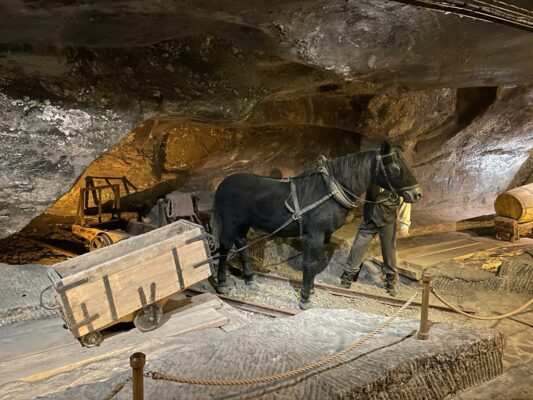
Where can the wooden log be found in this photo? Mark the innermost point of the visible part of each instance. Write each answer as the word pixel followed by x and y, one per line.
pixel 516 204
pixel 54 248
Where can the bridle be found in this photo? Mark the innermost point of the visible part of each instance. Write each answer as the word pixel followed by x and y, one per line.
pixel 380 166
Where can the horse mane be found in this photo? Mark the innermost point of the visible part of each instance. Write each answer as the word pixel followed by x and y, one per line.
pixel 354 171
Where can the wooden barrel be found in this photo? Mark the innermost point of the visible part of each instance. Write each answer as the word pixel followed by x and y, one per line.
pixel 516 204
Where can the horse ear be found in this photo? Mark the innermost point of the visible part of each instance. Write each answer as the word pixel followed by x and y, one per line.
pixel 385 147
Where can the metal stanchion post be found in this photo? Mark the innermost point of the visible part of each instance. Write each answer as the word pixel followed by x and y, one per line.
pixel 423 333
pixel 137 361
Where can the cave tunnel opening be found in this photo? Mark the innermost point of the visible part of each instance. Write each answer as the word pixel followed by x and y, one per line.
pixel 166 154
pixel 470 104
pixel 283 136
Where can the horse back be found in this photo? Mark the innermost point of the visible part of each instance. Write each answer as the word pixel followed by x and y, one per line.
pixel 253 200
pixel 250 187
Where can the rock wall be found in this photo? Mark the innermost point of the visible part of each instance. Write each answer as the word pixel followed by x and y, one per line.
pixel 281 137
pixel 466 172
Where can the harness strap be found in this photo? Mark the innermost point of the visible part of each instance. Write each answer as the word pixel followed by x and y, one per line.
pixel 313 205
pixel 296 212
pixel 381 166
pixel 337 190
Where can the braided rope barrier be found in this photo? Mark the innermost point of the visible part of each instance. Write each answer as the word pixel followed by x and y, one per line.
pixel 459 311
pixel 118 387
pixel 286 374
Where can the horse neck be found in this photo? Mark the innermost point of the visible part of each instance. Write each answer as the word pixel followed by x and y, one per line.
pixel 354 171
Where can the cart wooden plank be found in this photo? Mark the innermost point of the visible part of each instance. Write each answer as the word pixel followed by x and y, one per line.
pixel 136 287
pixel 120 263
pixel 89 260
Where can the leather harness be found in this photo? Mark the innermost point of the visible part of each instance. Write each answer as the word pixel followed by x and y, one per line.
pixel 335 190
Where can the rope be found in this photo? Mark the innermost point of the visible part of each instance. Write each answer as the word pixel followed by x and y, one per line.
pixel 287 374
pixel 118 387
pixel 459 311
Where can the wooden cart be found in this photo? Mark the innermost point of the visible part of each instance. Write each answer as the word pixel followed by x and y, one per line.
pixel 130 280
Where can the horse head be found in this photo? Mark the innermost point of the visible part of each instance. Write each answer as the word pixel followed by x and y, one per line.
pixel 394 173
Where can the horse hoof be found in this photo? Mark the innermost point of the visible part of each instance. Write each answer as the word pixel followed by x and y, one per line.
pixel 249 284
pixel 222 289
pixel 305 305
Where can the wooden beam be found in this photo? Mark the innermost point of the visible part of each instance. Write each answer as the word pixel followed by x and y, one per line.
pixel 66 368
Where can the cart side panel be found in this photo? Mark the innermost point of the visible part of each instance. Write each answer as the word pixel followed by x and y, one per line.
pixel 117 264
pixel 96 304
pixel 89 260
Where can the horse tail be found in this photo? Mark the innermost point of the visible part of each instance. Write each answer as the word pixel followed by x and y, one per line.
pixel 216 222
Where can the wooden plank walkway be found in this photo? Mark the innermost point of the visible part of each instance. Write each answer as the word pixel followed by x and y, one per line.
pixel 413 261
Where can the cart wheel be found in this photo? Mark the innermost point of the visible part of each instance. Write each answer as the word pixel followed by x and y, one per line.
pixel 148 318
pixel 92 339
pixel 99 241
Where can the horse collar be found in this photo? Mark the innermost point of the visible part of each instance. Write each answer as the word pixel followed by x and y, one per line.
pixel 334 187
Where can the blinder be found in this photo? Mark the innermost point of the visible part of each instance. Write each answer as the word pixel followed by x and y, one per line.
pixel 390 171
pixel 393 170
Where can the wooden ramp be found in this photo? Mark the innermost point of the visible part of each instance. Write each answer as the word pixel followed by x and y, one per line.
pixel 413 261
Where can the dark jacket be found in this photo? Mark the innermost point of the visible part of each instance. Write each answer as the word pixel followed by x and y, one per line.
pixel 383 213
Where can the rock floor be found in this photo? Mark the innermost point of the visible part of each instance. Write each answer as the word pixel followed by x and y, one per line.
pixel 515 383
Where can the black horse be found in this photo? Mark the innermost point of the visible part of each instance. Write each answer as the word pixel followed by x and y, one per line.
pixel 245 200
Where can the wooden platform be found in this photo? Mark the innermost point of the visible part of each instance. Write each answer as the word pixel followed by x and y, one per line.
pixel 413 261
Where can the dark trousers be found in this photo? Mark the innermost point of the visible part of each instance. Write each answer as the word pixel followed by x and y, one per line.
pixel 387 237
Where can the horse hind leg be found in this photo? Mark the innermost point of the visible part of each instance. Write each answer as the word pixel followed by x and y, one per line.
pixel 240 242
pixel 313 260
pixel 225 246
pixel 222 286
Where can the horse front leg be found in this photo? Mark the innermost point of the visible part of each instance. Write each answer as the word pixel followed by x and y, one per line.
pixel 313 256
pixel 240 242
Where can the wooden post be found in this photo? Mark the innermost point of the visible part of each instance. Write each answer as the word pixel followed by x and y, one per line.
pixel 117 200
pixel 423 333
pixel 99 204
pixel 137 361
pixel 83 201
